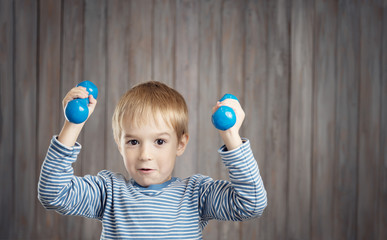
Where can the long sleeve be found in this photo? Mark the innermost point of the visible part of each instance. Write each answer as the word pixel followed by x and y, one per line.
pixel 243 197
pixel 60 190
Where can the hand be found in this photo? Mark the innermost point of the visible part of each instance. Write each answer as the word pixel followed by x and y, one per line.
pixel 80 92
pixel 231 136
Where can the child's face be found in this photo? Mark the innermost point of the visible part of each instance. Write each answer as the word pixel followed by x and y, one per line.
pixel 149 152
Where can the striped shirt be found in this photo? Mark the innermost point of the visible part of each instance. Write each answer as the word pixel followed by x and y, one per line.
pixel 177 209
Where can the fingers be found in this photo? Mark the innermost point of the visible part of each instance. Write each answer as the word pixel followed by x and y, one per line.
pixel 92 104
pixel 92 100
pixel 240 114
pixel 235 105
pixel 77 92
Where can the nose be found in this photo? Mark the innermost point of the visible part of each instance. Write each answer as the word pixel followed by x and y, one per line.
pixel 145 153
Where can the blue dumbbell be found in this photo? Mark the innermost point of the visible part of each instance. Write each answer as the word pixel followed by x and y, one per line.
pixel 76 110
pixel 224 118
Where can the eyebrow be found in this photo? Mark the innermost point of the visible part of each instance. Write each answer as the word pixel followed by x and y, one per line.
pixel 127 135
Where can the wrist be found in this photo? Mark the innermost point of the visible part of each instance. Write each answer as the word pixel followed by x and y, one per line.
pixel 69 133
pixel 231 139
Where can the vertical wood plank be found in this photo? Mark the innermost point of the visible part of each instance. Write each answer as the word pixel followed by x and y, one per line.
pixel 71 74
pixel 209 66
pixel 347 92
pixel 118 25
pixel 277 126
pixel 186 82
pixel 95 71
pixel 25 178
pixel 140 41
pixel 382 221
pixel 231 58
pixel 232 48
pixel 301 99
pixel 7 109
pixel 164 41
pixel 255 82
pixel 49 102
pixel 323 119
pixel 371 14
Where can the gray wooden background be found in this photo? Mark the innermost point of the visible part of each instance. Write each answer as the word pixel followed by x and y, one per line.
pixel 311 76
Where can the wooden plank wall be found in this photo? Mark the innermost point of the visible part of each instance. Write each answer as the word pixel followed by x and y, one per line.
pixel 311 76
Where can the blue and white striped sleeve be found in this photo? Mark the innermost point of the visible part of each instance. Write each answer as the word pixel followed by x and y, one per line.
pixel 60 190
pixel 241 198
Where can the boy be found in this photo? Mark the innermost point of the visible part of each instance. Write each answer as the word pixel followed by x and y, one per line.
pixel 150 126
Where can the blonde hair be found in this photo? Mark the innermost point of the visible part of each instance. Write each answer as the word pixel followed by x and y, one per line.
pixel 148 100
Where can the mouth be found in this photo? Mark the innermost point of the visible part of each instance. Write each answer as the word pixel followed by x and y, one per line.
pixel 145 170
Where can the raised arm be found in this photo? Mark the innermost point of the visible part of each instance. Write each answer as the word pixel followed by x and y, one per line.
pixel 244 196
pixel 58 188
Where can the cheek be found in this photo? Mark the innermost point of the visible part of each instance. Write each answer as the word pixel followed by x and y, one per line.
pixel 168 160
pixel 127 157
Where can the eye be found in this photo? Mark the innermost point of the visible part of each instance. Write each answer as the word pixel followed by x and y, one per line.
pixel 132 142
pixel 160 141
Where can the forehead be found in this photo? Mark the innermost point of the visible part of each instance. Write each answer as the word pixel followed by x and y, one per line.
pixel 153 123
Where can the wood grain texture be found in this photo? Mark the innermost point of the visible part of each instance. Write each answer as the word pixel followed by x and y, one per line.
pixel 7 126
pixel 369 120
pixel 164 31
pixel 323 149
pixel 277 125
pixel 140 41
pixel 25 77
pixel 49 102
pixel 382 219
pixel 347 95
pixel 301 99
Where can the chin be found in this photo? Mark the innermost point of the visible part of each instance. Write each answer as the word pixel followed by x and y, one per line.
pixel 146 183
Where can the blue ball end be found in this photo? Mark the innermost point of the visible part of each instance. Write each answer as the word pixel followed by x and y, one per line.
pixel 224 118
pixel 228 96
pixel 77 111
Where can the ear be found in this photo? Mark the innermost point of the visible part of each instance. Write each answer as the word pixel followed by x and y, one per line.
pixel 182 144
